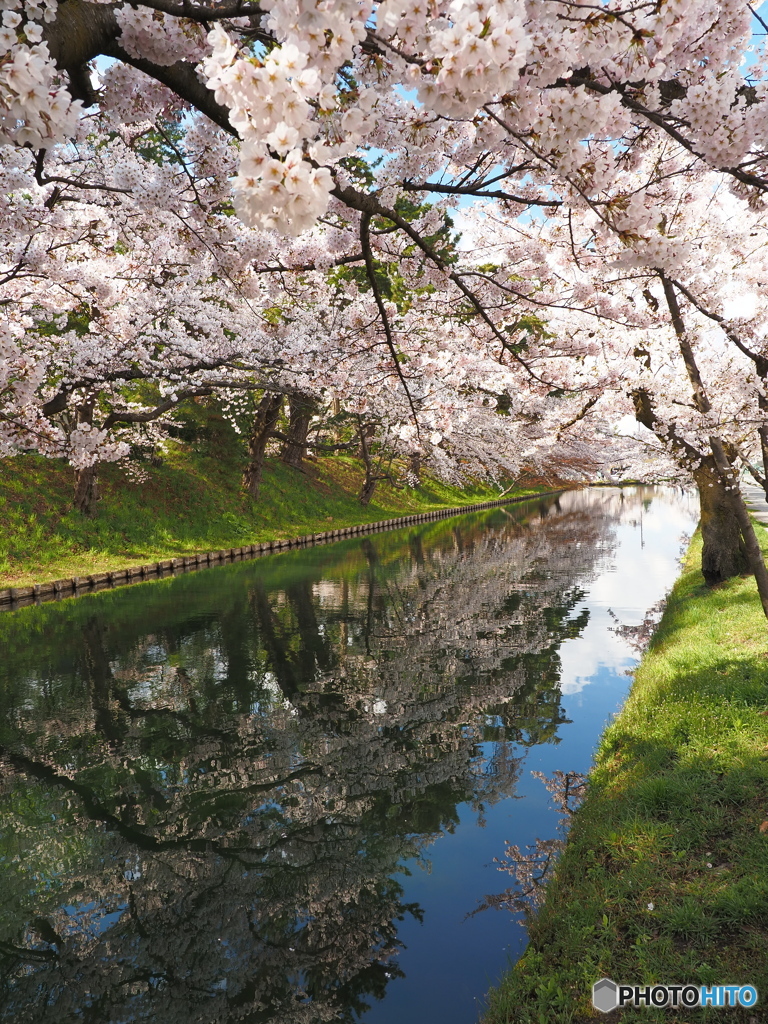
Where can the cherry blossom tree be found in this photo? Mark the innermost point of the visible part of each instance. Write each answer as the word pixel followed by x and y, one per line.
pixel 136 304
pixel 664 321
pixel 559 108
pixel 691 354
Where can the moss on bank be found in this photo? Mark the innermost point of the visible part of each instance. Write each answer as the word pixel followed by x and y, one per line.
pixel 665 874
pixel 190 503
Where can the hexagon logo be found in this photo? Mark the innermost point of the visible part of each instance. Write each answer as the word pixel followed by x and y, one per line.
pixel 605 995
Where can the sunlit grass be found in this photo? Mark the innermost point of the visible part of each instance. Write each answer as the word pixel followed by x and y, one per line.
pixel 191 503
pixel 665 874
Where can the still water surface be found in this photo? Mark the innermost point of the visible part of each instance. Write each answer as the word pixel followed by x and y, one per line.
pixel 272 792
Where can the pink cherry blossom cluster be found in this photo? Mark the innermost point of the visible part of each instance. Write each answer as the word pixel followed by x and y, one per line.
pixel 153 35
pixel 474 50
pixel 270 105
pixel 35 110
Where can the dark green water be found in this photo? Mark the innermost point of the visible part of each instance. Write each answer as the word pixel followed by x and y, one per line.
pixel 272 792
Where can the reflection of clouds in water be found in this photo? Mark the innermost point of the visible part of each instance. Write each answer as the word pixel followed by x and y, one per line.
pixel 584 658
pixel 628 583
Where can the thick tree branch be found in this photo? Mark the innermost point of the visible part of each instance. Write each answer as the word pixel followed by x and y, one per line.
pixel 153 414
pixel 760 361
pixel 203 12
pixel 700 397
pixel 722 462
pixel 59 401
pixel 180 78
pixel 80 32
pixel 316 445
pixel 645 413
pixel 579 415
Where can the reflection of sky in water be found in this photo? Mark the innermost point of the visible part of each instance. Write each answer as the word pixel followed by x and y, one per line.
pixel 450 961
pixel 641 571
pixel 92 918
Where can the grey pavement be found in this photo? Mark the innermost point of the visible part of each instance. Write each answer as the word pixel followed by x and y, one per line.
pixel 754 499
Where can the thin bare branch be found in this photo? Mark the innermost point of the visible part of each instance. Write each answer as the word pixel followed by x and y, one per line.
pixel 370 267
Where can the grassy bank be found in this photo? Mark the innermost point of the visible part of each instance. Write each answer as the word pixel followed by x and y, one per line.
pixel 665 874
pixel 190 503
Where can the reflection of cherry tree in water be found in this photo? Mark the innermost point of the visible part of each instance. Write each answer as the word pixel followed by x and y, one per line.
pixel 205 823
pixel 532 870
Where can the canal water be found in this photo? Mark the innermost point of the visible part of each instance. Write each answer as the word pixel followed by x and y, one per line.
pixel 273 792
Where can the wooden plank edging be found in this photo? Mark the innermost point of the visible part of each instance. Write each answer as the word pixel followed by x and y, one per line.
pixel 76 586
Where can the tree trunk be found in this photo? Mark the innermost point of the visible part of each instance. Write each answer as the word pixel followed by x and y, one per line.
pixel 301 409
pixel 414 466
pixel 762 478
pixel 264 422
pixel 369 486
pixel 761 367
pixel 371 478
pixel 87 477
pixel 721 461
pixel 753 554
pixel 723 554
pixel 86 489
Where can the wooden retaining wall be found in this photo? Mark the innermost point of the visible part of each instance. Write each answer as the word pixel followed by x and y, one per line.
pixel 76 586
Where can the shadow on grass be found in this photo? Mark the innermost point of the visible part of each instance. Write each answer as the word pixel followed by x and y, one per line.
pixel 665 874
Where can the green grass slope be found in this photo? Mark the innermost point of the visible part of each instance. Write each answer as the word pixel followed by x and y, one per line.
pixel 192 502
pixel 665 874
